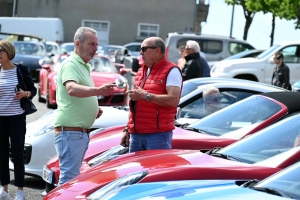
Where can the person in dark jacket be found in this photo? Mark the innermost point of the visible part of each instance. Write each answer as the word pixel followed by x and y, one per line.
pixel 193 68
pixel 281 72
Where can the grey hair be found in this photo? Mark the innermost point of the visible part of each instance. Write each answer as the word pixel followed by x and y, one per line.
pixel 80 33
pixel 209 90
pixel 193 45
pixel 159 43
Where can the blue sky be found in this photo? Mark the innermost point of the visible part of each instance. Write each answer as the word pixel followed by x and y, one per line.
pixel 219 21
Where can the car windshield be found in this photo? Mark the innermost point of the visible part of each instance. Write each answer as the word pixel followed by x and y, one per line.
pixel 30 49
pixel 236 120
pixel 107 50
pixel 66 48
pixel 286 181
pixel 50 48
pixel 187 88
pixel 101 64
pixel 267 52
pixel 269 146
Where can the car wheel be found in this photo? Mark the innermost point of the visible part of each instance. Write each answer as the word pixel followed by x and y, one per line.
pixel 40 99
pixel 247 77
pixel 49 187
pixel 49 105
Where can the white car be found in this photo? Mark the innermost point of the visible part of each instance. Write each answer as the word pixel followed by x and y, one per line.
pixel 261 68
pixel 39 139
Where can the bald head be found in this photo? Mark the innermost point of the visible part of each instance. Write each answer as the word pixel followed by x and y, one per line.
pixel 154 50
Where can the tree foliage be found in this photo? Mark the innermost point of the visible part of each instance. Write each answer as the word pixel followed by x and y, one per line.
pixel 247 13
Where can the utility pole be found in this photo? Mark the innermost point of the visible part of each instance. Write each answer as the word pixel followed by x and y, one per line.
pixel 232 16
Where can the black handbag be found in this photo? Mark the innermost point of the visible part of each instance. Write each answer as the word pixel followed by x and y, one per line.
pixel 26 103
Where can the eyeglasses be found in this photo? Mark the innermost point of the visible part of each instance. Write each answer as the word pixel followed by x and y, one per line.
pixel 2 51
pixel 215 99
pixel 143 49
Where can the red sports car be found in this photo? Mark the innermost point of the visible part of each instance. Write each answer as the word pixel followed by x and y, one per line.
pixel 218 130
pixel 255 157
pixel 102 71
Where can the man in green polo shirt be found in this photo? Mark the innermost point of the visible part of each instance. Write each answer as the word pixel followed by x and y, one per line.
pixel 77 103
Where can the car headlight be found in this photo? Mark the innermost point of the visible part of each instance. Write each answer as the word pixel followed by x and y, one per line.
pixel 121 82
pixel 220 68
pixel 110 154
pixel 120 182
pixel 46 129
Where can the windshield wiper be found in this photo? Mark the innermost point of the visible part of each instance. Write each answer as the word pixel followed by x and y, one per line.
pixel 272 191
pixel 196 130
pixel 213 152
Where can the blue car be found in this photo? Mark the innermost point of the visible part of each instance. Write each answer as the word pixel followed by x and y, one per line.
pixel 282 185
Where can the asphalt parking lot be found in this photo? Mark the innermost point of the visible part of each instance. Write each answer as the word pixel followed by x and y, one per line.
pixel 33 186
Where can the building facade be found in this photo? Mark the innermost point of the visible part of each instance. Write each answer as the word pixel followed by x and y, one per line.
pixel 118 22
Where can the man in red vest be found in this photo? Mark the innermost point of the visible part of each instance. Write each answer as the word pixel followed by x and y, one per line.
pixel 153 101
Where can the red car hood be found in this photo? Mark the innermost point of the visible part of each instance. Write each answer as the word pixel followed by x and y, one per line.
pixel 101 78
pixel 161 165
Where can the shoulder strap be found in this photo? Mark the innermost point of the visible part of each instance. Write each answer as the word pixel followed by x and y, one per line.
pixel 20 72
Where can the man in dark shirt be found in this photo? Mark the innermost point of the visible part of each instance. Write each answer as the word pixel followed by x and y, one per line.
pixel 281 72
pixel 194 68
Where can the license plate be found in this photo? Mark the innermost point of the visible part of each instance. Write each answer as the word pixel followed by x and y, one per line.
pixel 100 97
pixel 47 175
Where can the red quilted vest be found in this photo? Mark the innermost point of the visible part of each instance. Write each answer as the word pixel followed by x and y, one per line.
pixel 147 117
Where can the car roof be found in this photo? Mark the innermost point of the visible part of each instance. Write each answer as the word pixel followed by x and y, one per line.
pixel 180 34
pixel 290 99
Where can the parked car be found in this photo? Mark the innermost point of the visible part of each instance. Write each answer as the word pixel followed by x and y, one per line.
pixel 215 47
pixel 244 54
pixel 219 129
pixel 279 186
pixel 30 53
pixel 52 48
pixel 39 139
pixel 261 68
pixel 134 48
pixel 102 71
pixel 296 87
pixel 109 50
pixel 255 157
pixel 67 47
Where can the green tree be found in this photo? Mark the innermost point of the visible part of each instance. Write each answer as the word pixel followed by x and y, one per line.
pixel 266 6
pixel 290 10
pixel 247 13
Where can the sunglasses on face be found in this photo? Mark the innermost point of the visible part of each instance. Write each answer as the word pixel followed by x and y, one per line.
pixel 215 99
pixel 2 51
pixel 143 49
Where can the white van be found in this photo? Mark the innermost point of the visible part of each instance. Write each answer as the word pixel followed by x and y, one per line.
pixel 51 29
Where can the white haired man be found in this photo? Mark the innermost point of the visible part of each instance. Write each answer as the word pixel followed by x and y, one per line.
pixel 195 65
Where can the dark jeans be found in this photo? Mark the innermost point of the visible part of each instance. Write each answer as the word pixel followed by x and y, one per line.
pixel 139 142
pixel 13 127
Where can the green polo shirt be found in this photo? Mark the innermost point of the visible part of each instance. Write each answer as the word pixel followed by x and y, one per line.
pixel 74 111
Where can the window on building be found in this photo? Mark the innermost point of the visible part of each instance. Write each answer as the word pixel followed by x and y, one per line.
pixel 147 30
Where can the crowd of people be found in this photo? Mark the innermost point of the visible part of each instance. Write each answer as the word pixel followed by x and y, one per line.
pixel 153 102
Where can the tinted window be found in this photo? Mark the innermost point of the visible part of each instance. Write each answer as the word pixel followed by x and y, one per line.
pixel 235 47
pixel 196 109
pixel 291 54
pixel 207 46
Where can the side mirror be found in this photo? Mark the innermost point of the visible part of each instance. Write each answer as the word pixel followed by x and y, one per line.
pixel 135 65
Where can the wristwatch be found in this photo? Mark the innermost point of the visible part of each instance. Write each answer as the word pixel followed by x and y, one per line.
pixel 148 97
